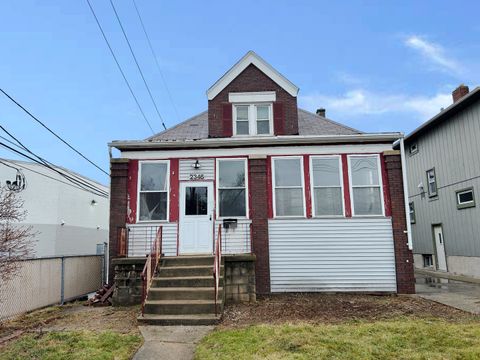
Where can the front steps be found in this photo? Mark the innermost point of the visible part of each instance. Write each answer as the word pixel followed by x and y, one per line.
pixel 183 292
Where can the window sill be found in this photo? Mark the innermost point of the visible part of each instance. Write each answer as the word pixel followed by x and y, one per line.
pixel 465 206
pixel 146 222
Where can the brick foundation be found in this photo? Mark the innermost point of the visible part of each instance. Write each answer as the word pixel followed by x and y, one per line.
pixel 403 256
pixel 118 207
pixel 259 215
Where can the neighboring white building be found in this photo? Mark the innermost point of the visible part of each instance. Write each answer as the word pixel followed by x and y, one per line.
pixel 68 220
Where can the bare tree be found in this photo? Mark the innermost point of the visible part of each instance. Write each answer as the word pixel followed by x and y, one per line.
pixel 16 240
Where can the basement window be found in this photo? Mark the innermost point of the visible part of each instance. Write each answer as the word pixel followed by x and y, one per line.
pixel 465 198
pixel 427 260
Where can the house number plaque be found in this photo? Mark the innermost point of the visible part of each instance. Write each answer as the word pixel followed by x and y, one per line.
pixel 197 177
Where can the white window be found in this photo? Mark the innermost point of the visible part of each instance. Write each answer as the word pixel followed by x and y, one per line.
pixel 153 191
pixel 465 198
pixel 253 119
pixel 288 185
pixel 232 188
pixel 431 183
pixel 366 185
pixel 327 185
pixel 413 149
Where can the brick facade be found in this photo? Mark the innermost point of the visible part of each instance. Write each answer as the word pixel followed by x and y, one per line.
pixel 118 207
pixel 252 79
pixel 403 256
pixel 259 215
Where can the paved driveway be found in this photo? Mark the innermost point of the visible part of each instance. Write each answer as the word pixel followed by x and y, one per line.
pixel 461 295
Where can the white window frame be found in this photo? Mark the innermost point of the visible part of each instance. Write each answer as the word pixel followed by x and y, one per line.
pixel 274 187
pixel 217 189
pixel 380 182
pixel 432 195
pixel 252 118
pixel 413 148
pixel 139 185
pixel 465 204
pixel 312 185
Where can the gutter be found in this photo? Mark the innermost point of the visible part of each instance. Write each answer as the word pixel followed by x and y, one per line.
pixel 256 141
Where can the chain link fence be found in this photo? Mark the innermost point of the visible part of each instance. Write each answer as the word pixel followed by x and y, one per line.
pixel 47 281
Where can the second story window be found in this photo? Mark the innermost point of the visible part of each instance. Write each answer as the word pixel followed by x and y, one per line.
pixel 253 119
pixel 431 183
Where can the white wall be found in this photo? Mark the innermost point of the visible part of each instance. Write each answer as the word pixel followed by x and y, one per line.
pixel 49 203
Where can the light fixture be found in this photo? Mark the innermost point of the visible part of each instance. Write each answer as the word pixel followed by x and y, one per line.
pixel 196 166
pixel 93 202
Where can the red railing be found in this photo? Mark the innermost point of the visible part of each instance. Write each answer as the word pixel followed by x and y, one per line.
pixel 217 263
pixel 151 266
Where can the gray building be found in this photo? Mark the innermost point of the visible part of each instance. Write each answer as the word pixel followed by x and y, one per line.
pixel 443 164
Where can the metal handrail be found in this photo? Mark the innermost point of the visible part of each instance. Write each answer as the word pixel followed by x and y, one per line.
pixel 151 266
pixel 217 263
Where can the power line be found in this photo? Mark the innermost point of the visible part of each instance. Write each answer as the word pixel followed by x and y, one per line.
pixel 52 132
pixel 120 68
pixel 155 58
pixel 138 65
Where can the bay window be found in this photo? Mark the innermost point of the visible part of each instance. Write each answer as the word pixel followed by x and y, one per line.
pixel 232 192
pixel 288 186
pixel 366 185
pixel 327 185
pixel 153 191
pixel 253 119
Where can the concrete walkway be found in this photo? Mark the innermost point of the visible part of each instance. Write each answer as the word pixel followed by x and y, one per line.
pixel 170 342
pixel 458 294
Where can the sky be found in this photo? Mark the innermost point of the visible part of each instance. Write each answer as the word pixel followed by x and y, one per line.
pixel 374 65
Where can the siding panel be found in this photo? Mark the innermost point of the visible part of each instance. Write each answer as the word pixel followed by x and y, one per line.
pixel 332 255
pixel 207 168
pixel 141 237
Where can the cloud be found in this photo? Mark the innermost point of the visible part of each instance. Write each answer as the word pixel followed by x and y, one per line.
pixel 435 54
pixel 360 102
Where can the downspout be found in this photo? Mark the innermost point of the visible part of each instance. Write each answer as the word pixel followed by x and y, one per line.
pixel 405 194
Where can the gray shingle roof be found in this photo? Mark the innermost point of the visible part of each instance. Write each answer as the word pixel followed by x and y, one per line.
pixel 196 127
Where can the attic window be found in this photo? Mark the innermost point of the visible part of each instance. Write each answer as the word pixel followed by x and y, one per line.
pixel 252 119
pixel 413 149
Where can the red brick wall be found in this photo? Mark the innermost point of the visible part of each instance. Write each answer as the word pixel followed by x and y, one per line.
pixel 252 79
pixel 118 206
pixel 259 213
pixel 403 256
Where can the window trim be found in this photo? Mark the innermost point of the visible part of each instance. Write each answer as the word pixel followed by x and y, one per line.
pixel 252 118
pixel 415 150
pixel 217 189
pixel 380 184
pixel 139 186
pixel 274 205
pixel 435 194
pixel 312 184
pixel 468 204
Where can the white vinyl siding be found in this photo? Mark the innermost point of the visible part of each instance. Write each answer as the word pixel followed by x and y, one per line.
pixel 141 238
pixel 153 189
pixel 354 254
pixel 235 240
pixel 327 185
pixel 288 186
pixel 187 170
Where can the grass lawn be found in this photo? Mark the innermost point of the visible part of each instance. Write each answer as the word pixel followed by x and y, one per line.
pixel 401 338
pixel 72 345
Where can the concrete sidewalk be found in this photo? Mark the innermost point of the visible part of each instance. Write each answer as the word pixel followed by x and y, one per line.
pixel 170 342
pixel 458 294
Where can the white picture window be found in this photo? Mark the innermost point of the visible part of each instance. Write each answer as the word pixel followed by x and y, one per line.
pixel 153 191
pixel 232 188
pixel 432 183
pixel 288 185
pixel 327 186
pixel 366 185
pixel 253 119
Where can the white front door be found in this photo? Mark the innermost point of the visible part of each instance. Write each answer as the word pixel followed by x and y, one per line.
pixel 440 248
pixel 196 218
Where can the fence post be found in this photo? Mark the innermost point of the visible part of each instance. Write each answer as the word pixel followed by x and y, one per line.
pixel 104 264
pixel 62 284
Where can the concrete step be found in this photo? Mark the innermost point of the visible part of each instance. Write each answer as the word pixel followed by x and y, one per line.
pixel 179 271
pixel 184 293
pixel 181 307
pixel 184 281
pixel 191 319
pixel 193 260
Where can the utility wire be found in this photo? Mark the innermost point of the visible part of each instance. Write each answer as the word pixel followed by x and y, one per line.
pixel 94 190
pixel 10 166
pixel 52 132
pixel 119 67
pixel 138 65
pixel 155 58
pixel 49 164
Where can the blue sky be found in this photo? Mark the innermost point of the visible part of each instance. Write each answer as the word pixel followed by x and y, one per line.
pixel 374 65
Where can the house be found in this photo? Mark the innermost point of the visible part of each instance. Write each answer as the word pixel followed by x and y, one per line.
pixel 443 167
pixel 67 219
pixel 318 205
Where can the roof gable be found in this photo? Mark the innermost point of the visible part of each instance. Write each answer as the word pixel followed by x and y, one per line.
pixel 251 58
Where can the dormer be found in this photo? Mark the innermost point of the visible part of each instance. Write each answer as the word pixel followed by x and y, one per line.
pixel 252 99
